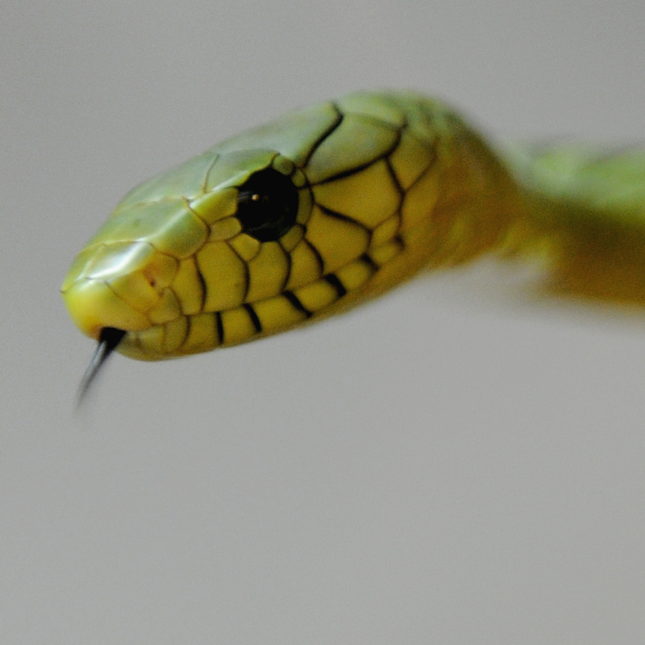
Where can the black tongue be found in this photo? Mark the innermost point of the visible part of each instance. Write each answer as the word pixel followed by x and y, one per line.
pixel 109 338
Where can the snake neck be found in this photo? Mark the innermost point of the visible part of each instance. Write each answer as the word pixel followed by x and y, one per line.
pixel 582 215
pixel 577 212
pixel 481 205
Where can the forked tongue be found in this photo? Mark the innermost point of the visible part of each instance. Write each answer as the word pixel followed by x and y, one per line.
pixel 109 339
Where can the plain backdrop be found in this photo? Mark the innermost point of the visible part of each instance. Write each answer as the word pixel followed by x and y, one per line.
pixel 461 461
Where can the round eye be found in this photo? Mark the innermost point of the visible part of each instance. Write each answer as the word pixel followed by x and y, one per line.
pixel 267 205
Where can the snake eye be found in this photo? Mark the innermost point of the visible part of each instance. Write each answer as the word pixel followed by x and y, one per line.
pixel 267 205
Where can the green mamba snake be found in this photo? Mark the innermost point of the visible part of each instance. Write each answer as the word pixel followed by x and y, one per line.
pixel 337 202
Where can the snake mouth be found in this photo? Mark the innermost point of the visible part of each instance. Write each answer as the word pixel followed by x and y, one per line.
pixel 109 339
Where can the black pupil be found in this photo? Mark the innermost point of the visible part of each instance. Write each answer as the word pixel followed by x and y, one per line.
pixel 267 205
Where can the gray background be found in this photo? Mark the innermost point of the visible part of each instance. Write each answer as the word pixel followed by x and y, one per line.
pixel 461 461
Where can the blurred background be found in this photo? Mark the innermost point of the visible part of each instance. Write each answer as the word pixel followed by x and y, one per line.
pixel 461 461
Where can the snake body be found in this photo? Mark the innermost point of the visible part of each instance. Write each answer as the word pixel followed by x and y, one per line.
pixel 335 203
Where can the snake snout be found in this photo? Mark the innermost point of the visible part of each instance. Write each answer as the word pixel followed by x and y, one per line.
pixel 93 305
pixel 120 285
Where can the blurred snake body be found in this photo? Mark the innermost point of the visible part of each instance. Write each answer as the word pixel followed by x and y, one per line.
pixel 337 202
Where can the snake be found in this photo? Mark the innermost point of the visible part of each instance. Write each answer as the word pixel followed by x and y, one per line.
pixel 335 203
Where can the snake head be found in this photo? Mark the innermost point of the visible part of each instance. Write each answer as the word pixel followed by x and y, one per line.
pixel 164 261
pixel 293 220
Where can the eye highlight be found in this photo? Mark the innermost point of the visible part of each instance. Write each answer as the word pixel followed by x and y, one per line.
pixel 267 205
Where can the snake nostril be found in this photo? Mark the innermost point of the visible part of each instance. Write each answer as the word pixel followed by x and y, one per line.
pixel 151 278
